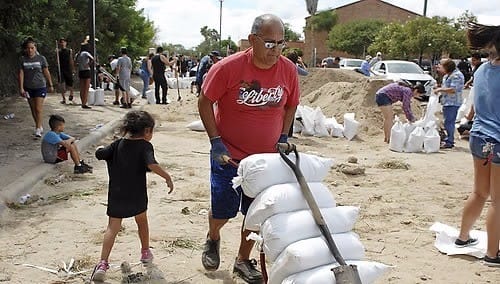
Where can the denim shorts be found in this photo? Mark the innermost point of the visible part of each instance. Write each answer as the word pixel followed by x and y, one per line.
pixel 225 200
pixel 382 99
pixel 481 148
pixel 37 93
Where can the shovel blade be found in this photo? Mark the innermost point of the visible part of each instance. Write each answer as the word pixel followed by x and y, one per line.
pixel 346 274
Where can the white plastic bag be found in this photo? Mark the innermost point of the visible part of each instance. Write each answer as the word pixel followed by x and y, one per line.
pixel 259 171
pixel 133 93
pixel 150 96
pixel 334 128
pixel 99 97
pixel 196 125
pixel 398 136
pixel 283 229
pixel 91 96
pixel 432 108
pixel 307 114
pixel 309 253
pixel 282 198
pixel 350 126
pixel 369 272
pixel 416 141
pixel 319 123
pixel 432 140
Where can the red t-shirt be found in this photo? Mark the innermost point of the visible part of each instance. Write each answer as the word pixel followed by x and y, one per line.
pixel 250 102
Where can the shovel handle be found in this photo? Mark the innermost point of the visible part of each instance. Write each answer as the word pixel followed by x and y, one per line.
pixel 229 160
pixel 316 212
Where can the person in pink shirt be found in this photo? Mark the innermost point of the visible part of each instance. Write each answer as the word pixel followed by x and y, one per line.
pixel 256 92
pixel 392 93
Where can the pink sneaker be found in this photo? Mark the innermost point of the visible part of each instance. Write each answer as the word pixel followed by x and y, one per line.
pixel 99 273
pixel 146 256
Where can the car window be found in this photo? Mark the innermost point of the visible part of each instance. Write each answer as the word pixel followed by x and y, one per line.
pixel 376 67
pixel 353 63
pixel 404 67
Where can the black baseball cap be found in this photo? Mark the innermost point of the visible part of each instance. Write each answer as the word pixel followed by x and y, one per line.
pixel 215 53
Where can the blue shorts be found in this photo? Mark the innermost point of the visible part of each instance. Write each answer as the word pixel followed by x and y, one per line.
pixel 37 93
pixel 382 100
pixel 477 148
pixel 226 201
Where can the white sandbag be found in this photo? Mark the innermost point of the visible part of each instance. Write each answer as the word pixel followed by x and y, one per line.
pixel 91 97
pixel 334 128
pixel 466 105
pixel 297 125
pixel 319 123
pixel 432 141
pixel 309 253
pixel 369 272
pixel 409 127
pixel 416 141
pixel 133 93
pixel 350 126
pixel 307 114
pixel 398 136
pixel 282 198
pixel 259 171
pixel 150 96
pixel 431 109
pixel 196 126
pixel 283 229
pixel 99 97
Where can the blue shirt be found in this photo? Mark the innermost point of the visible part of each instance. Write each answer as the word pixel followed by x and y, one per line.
pixel 454 80
pixel 50 145
pixel 487 102
pixel 365 68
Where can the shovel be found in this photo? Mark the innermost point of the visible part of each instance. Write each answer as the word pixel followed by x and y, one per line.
pixel 344 273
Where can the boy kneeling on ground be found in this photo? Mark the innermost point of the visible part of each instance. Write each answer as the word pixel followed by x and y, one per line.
pixel 56 144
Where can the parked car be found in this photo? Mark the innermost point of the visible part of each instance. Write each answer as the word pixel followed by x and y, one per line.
pixel 350 63
pixel 398 70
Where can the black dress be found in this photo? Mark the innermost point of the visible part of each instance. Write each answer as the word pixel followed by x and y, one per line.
pixel 127 162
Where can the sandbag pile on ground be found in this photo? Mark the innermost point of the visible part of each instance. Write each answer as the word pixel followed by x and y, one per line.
pixel 312 122
pixel 291 240
pixel 421 136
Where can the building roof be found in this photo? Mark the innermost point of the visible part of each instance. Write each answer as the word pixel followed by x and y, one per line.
pixel 359 1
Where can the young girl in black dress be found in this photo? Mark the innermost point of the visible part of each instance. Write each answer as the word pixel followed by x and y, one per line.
pixel 128 159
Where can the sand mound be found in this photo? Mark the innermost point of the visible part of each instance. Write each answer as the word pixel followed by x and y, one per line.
pixel 319 76
pixel 338 97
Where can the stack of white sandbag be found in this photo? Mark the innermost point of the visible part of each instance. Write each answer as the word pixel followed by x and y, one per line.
pixel 291 240
pixel 421 136
pixel 312 122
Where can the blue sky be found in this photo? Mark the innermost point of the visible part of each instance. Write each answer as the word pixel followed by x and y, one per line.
pixel 180 21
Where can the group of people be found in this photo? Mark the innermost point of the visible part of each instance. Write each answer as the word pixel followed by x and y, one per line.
pixel 258 90
pixel 484 131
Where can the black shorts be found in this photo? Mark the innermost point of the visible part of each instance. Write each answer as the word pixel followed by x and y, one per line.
pixel 67 79
pixel 84 74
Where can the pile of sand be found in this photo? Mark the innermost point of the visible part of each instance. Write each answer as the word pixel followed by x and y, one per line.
pixel 338 91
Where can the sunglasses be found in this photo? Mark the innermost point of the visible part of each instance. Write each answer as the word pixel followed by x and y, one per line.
pixel 270 44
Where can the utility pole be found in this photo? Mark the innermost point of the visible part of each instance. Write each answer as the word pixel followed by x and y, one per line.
pixel 92 41
pixel 425 8
pixel 220 26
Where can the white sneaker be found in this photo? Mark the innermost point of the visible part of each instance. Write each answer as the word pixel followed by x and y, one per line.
pixel 38 132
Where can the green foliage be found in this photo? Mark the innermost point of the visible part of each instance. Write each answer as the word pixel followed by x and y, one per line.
pixel 117 24
pixel 430 37
pixel 354 37
pixel 322 21
pixel 290 35
pixel 210 42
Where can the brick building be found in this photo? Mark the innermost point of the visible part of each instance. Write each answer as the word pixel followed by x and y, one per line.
pixel 358 10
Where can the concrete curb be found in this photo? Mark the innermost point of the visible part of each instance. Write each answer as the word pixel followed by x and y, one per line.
pixel 25 182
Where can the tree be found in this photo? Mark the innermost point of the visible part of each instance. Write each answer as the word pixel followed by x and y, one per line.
pixel 118 24
pixel 463 19
pixel 210 42
pixel 322 21
pixel 431 37
pixel 354 37
pixel 290 35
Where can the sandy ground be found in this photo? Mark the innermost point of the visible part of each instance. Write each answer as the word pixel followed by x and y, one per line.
pixel 397 205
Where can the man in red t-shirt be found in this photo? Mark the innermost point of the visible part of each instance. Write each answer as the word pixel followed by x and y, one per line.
pixel 256 92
